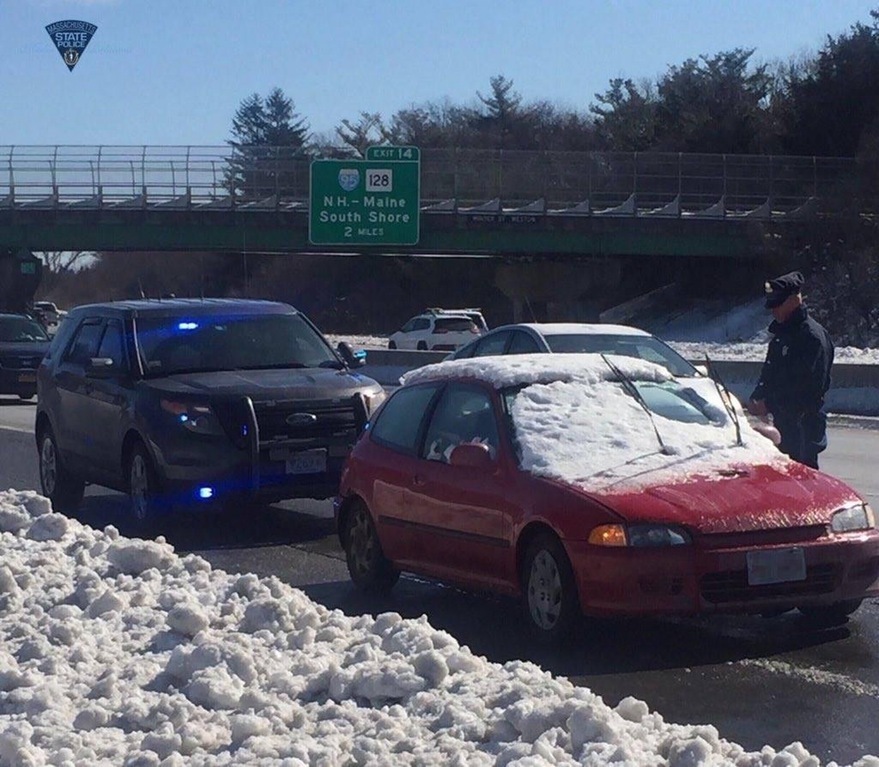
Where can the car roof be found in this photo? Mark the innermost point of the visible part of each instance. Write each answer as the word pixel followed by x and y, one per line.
pixel 199 306
pixel 16 315
pixel 578 328
pixel 517 369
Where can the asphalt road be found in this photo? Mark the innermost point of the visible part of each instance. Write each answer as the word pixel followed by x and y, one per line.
pixel 759 681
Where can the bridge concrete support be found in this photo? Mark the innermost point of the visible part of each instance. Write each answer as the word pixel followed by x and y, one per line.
pixel 554 291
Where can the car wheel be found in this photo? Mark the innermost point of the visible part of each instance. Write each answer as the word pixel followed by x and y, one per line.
pixel 29 395
pixel 60 486
pixel 422 346
pixel 549 591
pixel 142 485
pixel 830 615
pixel 392 344
pixel 370 570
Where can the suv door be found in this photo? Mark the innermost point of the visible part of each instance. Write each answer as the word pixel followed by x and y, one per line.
pixel 109 393
pixel 74 432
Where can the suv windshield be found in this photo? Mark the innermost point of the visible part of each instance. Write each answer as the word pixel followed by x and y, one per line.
pixel 171 345
pixel 21 329
pixel 642 347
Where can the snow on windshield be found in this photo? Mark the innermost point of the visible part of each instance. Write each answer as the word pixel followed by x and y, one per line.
pixel 576 423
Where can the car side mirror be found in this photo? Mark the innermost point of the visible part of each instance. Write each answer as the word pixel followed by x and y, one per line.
pixel 472 454
pixel 100 367
pixel 352 359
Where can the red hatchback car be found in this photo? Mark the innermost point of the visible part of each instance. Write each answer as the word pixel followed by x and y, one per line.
pixel 597 485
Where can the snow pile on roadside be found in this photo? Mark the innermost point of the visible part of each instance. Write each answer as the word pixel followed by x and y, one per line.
pixel 119 652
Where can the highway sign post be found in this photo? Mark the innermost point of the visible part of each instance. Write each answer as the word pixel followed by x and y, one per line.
pixel 366 202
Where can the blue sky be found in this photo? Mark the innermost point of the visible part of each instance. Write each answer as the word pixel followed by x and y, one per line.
pixel 174 71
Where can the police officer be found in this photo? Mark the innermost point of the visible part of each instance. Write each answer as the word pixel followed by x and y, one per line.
pixel 796 374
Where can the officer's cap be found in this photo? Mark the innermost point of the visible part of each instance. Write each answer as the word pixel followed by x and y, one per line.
pixel 779 289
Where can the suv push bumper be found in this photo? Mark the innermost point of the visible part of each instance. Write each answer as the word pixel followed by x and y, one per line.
pixel 220 469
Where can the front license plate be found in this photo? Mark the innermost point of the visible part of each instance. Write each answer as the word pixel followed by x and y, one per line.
pixel 27 377
pixel 776 566
pixel 307 462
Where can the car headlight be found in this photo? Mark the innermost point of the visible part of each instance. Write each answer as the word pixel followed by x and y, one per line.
pixel 199 418
pixel 639 536
pixel 855 516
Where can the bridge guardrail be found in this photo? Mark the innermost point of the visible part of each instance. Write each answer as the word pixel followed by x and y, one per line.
pixel 854 389
pixel 466 181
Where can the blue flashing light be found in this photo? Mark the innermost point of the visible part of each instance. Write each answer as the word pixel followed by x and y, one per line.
pixel 205 492
pixel 183 418
pixel 187 325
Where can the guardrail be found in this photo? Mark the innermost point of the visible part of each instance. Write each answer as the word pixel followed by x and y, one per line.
pixel 854 390
pixel 465 181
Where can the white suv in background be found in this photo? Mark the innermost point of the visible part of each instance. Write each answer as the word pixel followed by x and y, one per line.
pixel 439 330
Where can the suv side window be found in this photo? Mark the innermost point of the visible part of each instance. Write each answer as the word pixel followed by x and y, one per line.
pixel 421 323
pixel 112 346
pixel 409 326
pixel 85 343
pixel 399 422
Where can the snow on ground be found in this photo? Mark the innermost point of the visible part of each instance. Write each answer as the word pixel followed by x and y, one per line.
pixel 120 652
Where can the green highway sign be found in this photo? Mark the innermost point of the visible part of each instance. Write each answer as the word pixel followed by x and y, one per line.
pixel 365 202
pixel 410 153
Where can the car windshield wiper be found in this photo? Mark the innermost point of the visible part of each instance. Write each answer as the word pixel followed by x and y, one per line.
pixel 630 387
pixel 726 400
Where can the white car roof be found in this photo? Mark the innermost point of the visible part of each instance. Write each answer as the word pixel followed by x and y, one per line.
pixel 582 328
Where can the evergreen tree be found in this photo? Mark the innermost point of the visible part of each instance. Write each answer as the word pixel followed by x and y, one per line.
pixel 270 152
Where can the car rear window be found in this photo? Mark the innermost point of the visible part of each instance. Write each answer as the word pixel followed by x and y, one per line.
pixel 454 325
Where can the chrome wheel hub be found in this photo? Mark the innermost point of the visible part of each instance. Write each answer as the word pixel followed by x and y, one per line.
pixel 544 591
pixel 361 542
pixel 139 487
pixel 48 466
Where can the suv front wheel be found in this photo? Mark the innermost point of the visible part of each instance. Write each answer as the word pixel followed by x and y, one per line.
pixel 142 485
pixel 60 486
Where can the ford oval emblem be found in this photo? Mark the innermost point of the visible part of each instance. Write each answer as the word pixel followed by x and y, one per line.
pixel 301 419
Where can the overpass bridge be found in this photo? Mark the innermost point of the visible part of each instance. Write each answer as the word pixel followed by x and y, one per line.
pixel 511 204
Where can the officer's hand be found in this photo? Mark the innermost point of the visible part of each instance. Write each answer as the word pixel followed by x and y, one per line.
pixel 757 407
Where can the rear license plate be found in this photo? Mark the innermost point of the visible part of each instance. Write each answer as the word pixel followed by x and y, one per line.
pixel 307 462
pixel 27 377
pixel 776 566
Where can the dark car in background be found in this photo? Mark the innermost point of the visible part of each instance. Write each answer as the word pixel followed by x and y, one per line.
pixel 196 402
pixel 23 342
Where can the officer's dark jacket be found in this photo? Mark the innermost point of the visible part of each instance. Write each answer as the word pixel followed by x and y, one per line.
pixel 796 373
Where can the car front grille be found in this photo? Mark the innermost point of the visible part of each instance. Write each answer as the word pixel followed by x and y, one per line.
pixel 317 421
pixel 732 585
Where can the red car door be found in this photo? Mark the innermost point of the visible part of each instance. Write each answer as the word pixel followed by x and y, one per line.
pixel 461 514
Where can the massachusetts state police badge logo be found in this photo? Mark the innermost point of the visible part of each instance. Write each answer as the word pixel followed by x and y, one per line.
pixel 71 38
pixel 349 178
